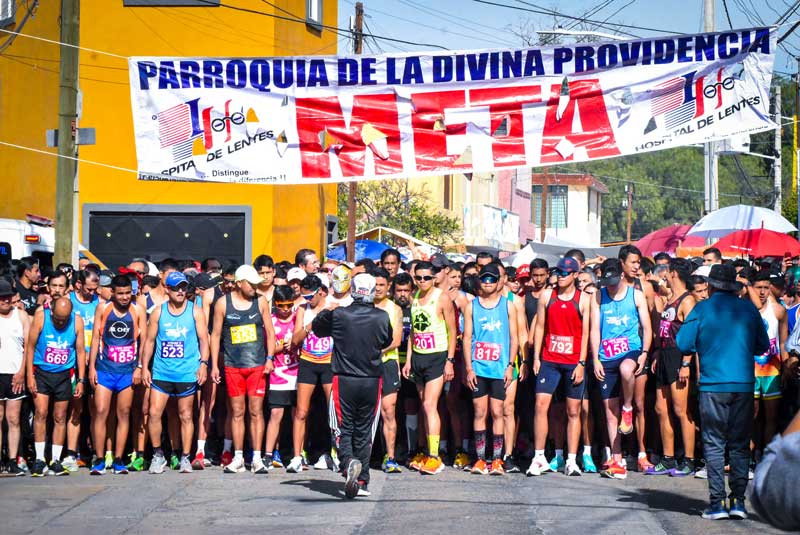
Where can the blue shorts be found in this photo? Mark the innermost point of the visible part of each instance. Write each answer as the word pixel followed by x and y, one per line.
pixel 609 386
pixel 552 374
pixel 175 389
pixel 116 382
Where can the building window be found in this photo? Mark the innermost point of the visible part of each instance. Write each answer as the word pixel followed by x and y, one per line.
pixel 171 3
pixel 556 206
pixel 7 12
pixel 314 13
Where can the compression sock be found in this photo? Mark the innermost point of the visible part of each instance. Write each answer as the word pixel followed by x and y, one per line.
pixel 480 444
pixel 433 445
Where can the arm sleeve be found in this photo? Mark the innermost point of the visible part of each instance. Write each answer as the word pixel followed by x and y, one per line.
pixel 323 323
pixel 775 483
pixel 687 334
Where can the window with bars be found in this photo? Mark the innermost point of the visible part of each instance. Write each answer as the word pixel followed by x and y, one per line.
pixel 8 11
pixel 314 13
pixel 556 206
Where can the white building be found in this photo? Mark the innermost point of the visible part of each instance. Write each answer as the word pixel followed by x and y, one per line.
pixel 573 209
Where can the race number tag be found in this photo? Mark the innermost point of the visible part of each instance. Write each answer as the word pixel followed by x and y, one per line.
pixel 56 355
pixel 487 351
pixel 172 350
pixel 121 354
pixel 664 328
pixel 563 345
pixel 424 341
pixel 318 345
pixel 762 360
pixel 87 338
pixel 242 334
pixel 616 346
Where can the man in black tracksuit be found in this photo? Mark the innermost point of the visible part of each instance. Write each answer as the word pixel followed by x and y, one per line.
pixel 360 334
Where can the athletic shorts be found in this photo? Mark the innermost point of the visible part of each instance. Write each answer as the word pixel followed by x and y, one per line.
pixel 610 385
pixel 494 388
pixel 6 392
pixel 312 373
pixel 408 388
pixel 668 366
pixel 250 381
pixel 116 382
pixel 175 389
pixel 59 385
pixel 428 367
pixel 390 373
pixel 282 398
pixel 552 375
pixel 768 387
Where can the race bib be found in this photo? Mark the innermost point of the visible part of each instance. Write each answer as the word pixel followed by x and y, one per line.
pixel 87 338
pixel 487 351
pixel 172 350
pixel 616 346
pixel 563 345
pixel 318 345
pixel 121 354
pixel 424 341
pixel 242 334
pixel 664 328
pixel 56 355
pixel 762 360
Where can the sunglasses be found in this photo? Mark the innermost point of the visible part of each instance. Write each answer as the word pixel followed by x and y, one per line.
pixel 178 289
pixel 420 278
pixel 562 273
pixel 287 305
pixel 309 297
pixel 489 279
pixel 228 281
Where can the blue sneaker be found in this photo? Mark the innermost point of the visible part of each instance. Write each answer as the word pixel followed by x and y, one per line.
pixel 99 468
pixel 737 509
pixel 588 464
pixel 390 466
pixel 118 467
pixel 557 464
pixel 277 462
pixel 716 511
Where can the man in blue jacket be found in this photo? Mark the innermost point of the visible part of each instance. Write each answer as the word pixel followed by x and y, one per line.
pixel 725 332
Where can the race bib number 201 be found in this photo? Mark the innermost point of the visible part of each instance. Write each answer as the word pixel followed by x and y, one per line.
pixel 424 341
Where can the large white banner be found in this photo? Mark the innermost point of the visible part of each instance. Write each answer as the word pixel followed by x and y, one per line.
pixel 301 120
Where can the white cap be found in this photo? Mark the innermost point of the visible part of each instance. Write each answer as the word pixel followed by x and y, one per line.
pixel 324 280
pixel 248 273
pixel 295 273
pixel 152 270
pixel 703 271
pixel 362 287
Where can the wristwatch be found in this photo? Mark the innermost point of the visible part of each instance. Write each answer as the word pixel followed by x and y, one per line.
pixel 83 380
pixel 685 364
pixel 451 360
pixel 582 363
pixel 270 357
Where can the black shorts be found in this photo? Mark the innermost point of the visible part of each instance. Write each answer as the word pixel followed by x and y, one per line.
pixel 390 375
pixel 58 385
pixel 312 373
pixel 282 398
pixel 668 366
pixel 408 388
pixel 6 393
pixel 494 388
pixel 428 367
pixel 175 389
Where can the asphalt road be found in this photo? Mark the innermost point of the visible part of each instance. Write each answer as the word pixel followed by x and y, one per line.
pixel 312 502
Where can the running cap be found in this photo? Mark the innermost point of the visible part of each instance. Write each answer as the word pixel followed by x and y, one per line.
pixel 610 272
pixel 363 288
pixel 524 272
pixel 5 288
pixel 176 278
pixel 248 273
pixel 105 278
pixel 440 260
pixel 323 279
pixel 296 273
pixel 490 269
pixel 568 264
pixel 204 281
pixel 703 271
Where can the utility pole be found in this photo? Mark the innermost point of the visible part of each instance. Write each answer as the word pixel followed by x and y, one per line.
pixel 67 115
pixel 545 185
pixel 776 163
pixel 629 191
pixel 358 43
pixel 711 186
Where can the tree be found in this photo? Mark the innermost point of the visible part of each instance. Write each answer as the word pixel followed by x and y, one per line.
pixel 389 203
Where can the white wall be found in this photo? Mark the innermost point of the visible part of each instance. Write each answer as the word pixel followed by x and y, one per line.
pixel 581 230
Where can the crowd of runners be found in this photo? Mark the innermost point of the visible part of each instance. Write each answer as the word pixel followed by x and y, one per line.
pixel 588 366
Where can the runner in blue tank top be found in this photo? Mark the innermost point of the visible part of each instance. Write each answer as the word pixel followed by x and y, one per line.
pixel 50 365
pixel 490 340
pixel 178 334
pixel 618 313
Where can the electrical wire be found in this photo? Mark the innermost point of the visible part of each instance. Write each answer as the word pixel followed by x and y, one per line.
pixel 727 13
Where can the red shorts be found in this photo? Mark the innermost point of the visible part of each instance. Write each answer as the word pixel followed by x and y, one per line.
pixel 250 381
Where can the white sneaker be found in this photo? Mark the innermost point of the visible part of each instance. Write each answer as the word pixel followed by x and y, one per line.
pixel 157 464
pixel 701 474
pixel 322 463
pixel 623 463
pixel 295 465
pixel 258 466
pixel 538 466
pixel 236 466
pixel 363 490
pixel 186 466
pixel 70 463
pixel 571 469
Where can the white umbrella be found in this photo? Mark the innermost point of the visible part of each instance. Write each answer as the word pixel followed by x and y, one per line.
pixel 739 217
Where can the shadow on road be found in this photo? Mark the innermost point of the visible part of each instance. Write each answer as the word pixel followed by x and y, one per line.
pixel 322 486
pixel 665 501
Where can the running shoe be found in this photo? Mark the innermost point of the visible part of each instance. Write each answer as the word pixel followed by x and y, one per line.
pixel 236 466
pixel 716 511
pixel 661 469
pixel 174 462
pixel 21 464
pixel 571 469
pixel 390 466
pixel 267 460
pixel 497 468
pixel 417 461
pixel 685 468
pixel 363 489
pixel 119 467
pixel 509 465
pixel 186 465
pixel 199 462
pixel 557 463
pixel 335 460
pixel 99 469
pixel 461 461
pixel 82 463
pixel 432 466
pixel 479 468
pixel 39 468
pixel 643 464
pixel 615 471
pixel 351 485
pixel 58 469
pixel 701 473
pixel 136 463
pixel 70 463
pixel 109 458
pixel 226 458
pixel 13 469
pixel 277 462
pixel 158 463
pixel 626 421
pixel 750 471
pixel 538 466
pixel 295 465
pixel 258 466
pixel 737 509
pixel 588 464
pixel 304 455
pixel 325 462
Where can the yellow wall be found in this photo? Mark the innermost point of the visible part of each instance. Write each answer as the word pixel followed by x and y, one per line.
pixel 284 217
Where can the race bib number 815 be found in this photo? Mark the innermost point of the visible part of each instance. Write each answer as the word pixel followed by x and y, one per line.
pixel 487 351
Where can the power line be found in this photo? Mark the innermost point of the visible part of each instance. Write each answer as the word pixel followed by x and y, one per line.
pixel 727 14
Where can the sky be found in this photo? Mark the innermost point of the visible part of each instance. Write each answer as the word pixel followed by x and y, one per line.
pixel 468 24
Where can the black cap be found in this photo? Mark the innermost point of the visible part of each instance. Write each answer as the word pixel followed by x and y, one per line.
pixel 204 281
pixel 511 273
pixel 490 269
pixel 723 277
pixel 6 289
pixel 440 260
pixel 610 272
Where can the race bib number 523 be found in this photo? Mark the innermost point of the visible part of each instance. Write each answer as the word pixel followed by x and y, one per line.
pixel 172 350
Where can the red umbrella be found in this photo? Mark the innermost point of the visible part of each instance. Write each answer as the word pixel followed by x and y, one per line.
pixel 667 240
pixel 758 242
